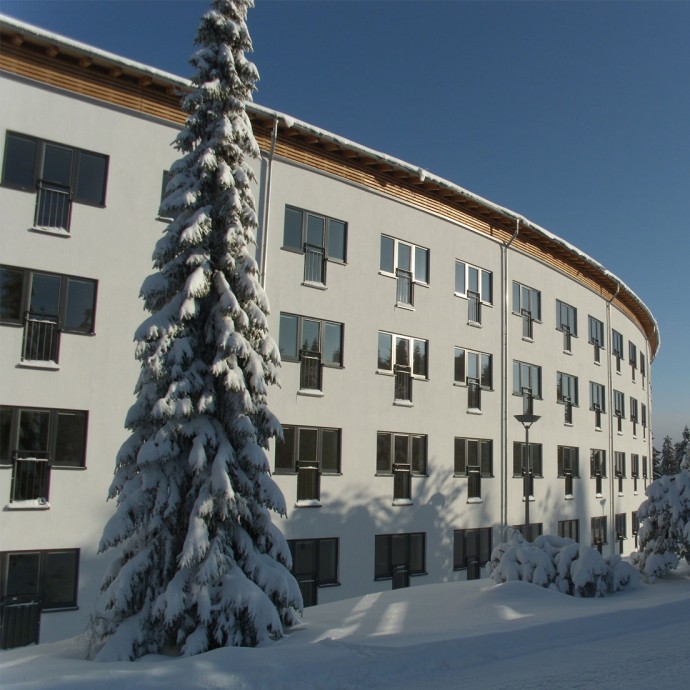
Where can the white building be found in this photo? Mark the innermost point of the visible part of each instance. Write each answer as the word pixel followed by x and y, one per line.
pixel 415 321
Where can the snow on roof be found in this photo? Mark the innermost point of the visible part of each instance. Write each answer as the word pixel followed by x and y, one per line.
pixel 291 122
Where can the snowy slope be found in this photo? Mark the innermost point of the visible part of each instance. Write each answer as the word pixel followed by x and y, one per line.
pixel 465 634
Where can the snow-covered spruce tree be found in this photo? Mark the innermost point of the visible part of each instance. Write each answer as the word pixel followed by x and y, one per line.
pixel 200 564
pixel 668 457
pixel 664 534
pixel 683 450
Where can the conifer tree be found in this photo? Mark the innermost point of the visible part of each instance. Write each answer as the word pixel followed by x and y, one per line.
pixel 668 457
pixel 200 564
pixel 683 450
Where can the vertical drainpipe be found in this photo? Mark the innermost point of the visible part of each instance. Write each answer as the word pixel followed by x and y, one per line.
pixel 613 492
pixel 650 454
pixel 265 201
pixel 504 378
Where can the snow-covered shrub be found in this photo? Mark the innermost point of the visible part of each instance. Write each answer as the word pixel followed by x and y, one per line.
pixel 561 564
pixel 664 534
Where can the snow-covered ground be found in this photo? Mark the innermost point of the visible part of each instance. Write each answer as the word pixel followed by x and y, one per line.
pixel 468 634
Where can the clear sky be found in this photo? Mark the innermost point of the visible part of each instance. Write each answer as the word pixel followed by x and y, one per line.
pixel 574 114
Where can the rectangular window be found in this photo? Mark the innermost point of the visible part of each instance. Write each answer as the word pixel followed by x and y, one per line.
pixel 51 302
pixel 314 564
pixel 50 575
pixel 597 463
pixel 526 376
pixel 531 531
pixel 403 351
pixel 471 547
pixel 569 529
pixel 619 459
pixel 520 459
pixel 394 553
pixel 598 531
pixel 597 397
pixel 476 285
pixel 319 447
pixel 632 355
pixel 304 231
pixel 56 435
pixel 526 300
pixel 619 408
pixel 643 368
pixel 621 528
pixel 473 366
pixel 473 453
pixel 566 318
pixel 397 255
pixel 301 335
pixel 635 465
pixel 568 461
pixel 394 449
pixel 617 348
pixel 633 409
pixel 566 388
pixel 596 332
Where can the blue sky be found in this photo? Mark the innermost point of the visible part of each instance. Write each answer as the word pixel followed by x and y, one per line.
pixel 575 114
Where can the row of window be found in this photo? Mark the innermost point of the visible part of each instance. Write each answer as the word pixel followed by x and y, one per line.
pixel 397 557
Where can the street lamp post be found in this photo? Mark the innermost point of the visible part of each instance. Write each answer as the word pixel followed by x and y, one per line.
pixel 527 420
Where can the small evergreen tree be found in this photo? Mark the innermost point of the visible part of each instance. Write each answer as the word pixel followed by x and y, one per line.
pixel 683 448
pixel 668 464
pixel 200 564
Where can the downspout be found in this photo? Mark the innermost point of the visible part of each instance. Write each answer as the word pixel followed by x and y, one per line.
pixel 612 478
pixel 504 377
pixel 265 201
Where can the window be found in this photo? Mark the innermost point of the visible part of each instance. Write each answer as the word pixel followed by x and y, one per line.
pixel 621 529
pixel 566 321
pixel 644 421
pixel 314 564
pixel 635 469
pixel 597 463
pixel 526 303
pixel 617 349
pixel 399 555
pixel 569 529
pixel 57 435
pixel 644 468
pixel 476 285
pixel 619 408
pixel 520 459
pixel 404 352
pixel 394 449
pixel 397 255
pixel 312 342
pixel 60 174
pixel 619 466
pixel 596 333
pixel 474 370
pixel 568 461
pixel 597 401
pixel 526 377
pixel 474 460
pixel 643 368
pixel 50 575
pixel 308 446
pixel 566 393
pixel 530 532
pixel 634 525
pixel 471 550
pixel 633 414
pixel 318 237
pixel 598 531
pixel 632 357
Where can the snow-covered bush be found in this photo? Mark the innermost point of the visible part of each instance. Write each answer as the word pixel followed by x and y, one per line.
pixel 664 534
pixel 560 563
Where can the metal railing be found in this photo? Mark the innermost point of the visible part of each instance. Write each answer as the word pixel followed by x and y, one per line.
pixel 599 484
pixel 41 341
pixel 53 206
pixel 527 330
pixel 314 264
pixel 402 481
pixel 568 483
pixel 527 401
pixel 567 339
pixel 597 351
pixel 404 292
pixel 310 371
pixel 401 577
pixel 403 383
pixel 568 410
pixel 20 620
pixel 597 416
pixel 308 482
pixel 308 588
pixel 474 394
pixel 474 570
pixel 30 476
pixel 619 421
pixel 474 307
pixel 474 482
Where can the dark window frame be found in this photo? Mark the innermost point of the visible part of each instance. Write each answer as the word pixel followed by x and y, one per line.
pixel 533 296
pixel 484 456
pixel 519 453
pixel 481 282
pixel 388 471
pixel 387 539
pixel 566 316
pixel 571 454
pixel 596 332
pixel 412 363
pixel 327 220
pixel 597 396
pixel 77 154
pixel 519 385
pixel 413 259
pixel 462 381
pixel 334 567
pixel 482 546
pixel 299 336
pixel 599 529
pixel 572 382
pixel 295 430
pixel 565 529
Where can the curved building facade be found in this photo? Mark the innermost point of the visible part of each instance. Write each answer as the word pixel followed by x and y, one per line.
pixel 421 327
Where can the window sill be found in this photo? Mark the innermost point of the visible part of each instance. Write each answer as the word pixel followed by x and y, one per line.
pixel 597 364
pixel 531 499
pixel 569 497
pixel 621 494
pixel 568 352
pixel 405 306
pixel 528 340
pixel 402 502
pixel 567 423
pixel 475 499
pixel 403 403
pixel 598 495
pixel 308 503
pixel 598 428
pixel 38 364
pixel 310 393
pixel 312 284
pixel 55 232
pixel 474 410
pixel 32 504
pixel 475 324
